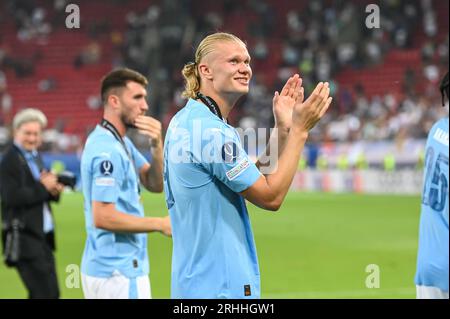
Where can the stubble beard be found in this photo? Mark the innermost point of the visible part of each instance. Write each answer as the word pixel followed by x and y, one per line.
pixel 127 121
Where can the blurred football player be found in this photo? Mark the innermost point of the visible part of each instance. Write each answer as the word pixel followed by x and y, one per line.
pixel 432 258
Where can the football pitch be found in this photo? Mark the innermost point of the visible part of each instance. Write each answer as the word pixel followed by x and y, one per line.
pixel 318 245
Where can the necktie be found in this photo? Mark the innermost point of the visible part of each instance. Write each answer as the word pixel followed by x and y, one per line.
pixel 36 166
pixel 33 161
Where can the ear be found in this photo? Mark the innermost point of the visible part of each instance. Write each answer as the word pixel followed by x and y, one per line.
pixel 205 71
pixel 113 101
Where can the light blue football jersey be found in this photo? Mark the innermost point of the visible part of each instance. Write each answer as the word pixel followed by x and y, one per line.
pixel 108 175
pixel 432 258
pixel 214 253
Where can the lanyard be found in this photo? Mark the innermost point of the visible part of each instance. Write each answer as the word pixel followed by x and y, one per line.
pixel 211 104
pixel 107 125
pixel 111 128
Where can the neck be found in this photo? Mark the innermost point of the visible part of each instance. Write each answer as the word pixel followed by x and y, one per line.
pixel 224 101
pixel 115 120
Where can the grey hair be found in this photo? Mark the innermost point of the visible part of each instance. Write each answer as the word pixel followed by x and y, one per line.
pixel 29 115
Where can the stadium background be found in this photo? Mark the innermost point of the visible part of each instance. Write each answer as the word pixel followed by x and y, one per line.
pixel 341 215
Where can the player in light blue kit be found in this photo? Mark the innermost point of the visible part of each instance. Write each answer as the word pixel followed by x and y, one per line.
pixel 208 175
pixel 432 258
pixel 115 261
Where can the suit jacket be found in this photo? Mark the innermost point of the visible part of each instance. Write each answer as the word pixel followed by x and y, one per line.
pixel 23 197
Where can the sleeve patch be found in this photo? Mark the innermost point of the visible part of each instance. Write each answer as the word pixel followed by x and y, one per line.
pixel 106 168
pixel 238 169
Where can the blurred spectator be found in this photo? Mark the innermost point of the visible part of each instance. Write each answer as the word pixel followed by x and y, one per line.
pixel 90 54
pixel 6 104
pixel 260 50
pixel 3 83
pixel 47 84
pixel 5 99
pixel 94 102
pixel 318 39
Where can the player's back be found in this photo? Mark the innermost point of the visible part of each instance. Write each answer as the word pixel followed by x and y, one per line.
pixel 433 253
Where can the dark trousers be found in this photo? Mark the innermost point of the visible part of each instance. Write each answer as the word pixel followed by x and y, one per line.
pixel 39 276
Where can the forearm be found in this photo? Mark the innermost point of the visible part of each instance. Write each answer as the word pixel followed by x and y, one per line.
pixel 269 191
pixel 281 179
pixel 277 144
pixel 107 217
pixel 154 178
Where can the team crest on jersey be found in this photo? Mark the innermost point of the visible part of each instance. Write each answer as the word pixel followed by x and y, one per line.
pixel 229 152
pixel 106 168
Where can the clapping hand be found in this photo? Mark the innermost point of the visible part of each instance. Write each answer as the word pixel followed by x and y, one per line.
pixel 284 102
pixel 306 114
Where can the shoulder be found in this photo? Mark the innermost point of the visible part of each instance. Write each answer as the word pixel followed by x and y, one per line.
pixel 10 149
pixel 443 124
pixel 99 135
pixel 440 124
pixel 201 114
pixel 195 112
pixel 10 154
pixel 215 126
pixel 101 145
pixel 440 132
pixel 130 145
pixel 129 142
pixel 197 121
pixel 100 141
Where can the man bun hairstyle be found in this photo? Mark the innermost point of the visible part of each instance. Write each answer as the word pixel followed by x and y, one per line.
pixel 190 70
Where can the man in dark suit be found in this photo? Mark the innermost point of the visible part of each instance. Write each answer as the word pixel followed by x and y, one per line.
pixel 26 190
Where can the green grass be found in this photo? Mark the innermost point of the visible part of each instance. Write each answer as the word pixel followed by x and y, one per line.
pixel 316 246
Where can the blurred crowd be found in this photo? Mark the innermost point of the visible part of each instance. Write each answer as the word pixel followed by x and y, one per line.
pixel 318 39
pixel 318 42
